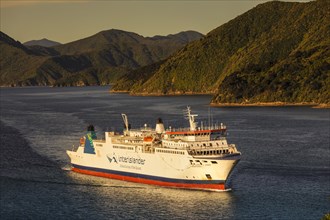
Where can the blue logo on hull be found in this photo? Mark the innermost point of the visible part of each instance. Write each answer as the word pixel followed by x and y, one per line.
pixel 130 160
pixel 112 159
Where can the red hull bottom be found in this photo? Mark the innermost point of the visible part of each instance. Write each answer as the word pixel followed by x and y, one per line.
pixel 212 187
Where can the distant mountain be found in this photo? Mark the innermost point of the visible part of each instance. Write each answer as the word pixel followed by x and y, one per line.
pixel 127 49
pixel 43 42
pixel 276 52
pixel 182 37
pixel 96 60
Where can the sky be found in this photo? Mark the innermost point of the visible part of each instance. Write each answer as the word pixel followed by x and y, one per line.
pixel 70 20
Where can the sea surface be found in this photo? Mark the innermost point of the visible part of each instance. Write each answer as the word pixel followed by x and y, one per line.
pixel 284 172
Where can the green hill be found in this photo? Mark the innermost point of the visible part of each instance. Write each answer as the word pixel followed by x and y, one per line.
pixel 135 78
pixel 276 52
pixel 96 60
pixel 17 63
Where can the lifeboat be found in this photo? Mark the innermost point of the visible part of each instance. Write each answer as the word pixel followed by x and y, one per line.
pixel 82 141
pixel 147 139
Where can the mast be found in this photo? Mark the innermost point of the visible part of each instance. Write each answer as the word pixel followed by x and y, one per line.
pixel 125 119
pixel 191 118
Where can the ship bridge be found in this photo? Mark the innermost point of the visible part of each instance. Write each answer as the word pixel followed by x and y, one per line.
pixel 206 134
pixel 195 133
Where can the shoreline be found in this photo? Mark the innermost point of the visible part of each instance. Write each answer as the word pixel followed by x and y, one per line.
pixel 271 104
pixel 119 91
pixel 227 104
pixel 162 94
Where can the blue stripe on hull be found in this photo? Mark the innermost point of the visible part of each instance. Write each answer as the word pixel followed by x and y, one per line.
pixel 143 176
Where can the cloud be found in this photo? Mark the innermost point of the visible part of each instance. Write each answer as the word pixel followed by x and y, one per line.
pixel 19 3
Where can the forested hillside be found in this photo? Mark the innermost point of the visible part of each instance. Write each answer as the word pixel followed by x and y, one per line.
pixel 276 52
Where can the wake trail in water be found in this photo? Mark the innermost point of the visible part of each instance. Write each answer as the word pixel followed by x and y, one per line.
pixel 21 163
pixel 69 183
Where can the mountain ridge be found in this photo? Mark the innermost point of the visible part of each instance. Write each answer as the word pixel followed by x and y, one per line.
pixel 95 60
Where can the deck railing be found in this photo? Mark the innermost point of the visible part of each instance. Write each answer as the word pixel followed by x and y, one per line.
pixel 213 127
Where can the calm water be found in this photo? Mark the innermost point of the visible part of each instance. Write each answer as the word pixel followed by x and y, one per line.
pixel 284 172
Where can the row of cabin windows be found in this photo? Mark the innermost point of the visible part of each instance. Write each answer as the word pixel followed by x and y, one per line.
pixel 196 134
pixel 123 147
pixel 170 152
pixel 211 152
pixel 210 144
pixel 198 161
pixel 176 144
pixel 132 141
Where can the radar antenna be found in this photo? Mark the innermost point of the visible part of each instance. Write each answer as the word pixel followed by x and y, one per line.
pixel 191 118
pixel 125 119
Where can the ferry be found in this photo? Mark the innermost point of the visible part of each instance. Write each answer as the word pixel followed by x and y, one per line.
pixel 193 157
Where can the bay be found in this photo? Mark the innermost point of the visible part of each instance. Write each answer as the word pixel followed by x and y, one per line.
pixel 284 172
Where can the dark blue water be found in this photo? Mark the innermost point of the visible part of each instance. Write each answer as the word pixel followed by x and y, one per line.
pixel 284 172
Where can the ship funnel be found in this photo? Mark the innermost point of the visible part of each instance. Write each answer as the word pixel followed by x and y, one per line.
pixel 91 131
pixel 89 137
pixel 90 128
pixel 160 126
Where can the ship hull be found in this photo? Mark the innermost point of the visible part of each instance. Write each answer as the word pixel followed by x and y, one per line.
pixel 213 185
pixel 179 171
